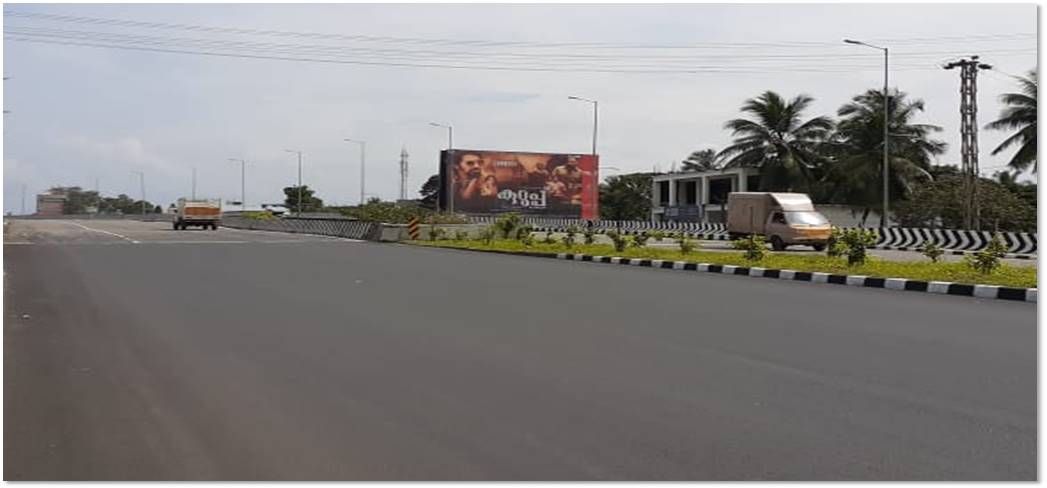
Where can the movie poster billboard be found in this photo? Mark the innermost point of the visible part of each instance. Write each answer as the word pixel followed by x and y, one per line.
pixel 483 182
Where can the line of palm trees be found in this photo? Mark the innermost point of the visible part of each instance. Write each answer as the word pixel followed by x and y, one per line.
pixel 840 161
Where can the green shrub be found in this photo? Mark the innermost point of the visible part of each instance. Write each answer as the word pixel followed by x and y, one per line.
pixel 461 235
pixel 397 213
pixel 658 235
pixel 856 241
pixel 571 232
pixel 835 247
pixel 988 260
pixel 487 235
pixel 687 246
pixel 568 240
pixel 527 240
pixel 549 238
pixel 523 231
pixel 754 247
pixel 932 251
pixel 640 240
pixel 507 223
pixel 435 233
pixel 619 240
pixel 590 235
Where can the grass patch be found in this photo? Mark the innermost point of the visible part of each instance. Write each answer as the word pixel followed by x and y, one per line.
pixel 1006 275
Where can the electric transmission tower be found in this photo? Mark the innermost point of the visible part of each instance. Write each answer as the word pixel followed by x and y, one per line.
pixel 403 173
pixel 969 137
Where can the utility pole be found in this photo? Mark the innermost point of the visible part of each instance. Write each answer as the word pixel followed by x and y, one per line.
pixel 403 173
pixel 969 137
pixel 23 198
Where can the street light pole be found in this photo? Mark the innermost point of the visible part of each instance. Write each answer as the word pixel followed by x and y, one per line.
pixel 363 164
pixel 243 187
pixel 141 176
pixel 886 123
pixel 299 153
pixel 596 122
pixel 450 177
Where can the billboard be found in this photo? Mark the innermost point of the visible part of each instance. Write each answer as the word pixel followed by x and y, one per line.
pixel 483 182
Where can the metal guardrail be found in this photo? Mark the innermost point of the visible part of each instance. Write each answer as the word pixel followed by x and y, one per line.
pixel 332 227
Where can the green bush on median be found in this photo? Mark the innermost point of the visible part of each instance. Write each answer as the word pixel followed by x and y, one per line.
pixel 956 272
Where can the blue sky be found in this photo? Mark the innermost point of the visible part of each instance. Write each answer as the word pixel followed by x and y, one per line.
pixel 81 114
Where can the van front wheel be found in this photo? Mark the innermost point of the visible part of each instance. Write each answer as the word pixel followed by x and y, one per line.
pixel 818 247
pixel 777 244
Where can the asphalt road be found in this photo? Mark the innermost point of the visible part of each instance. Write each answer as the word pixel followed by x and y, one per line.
pixel 232 355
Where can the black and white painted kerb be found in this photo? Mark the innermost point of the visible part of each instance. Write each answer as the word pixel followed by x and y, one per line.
pixel 941 287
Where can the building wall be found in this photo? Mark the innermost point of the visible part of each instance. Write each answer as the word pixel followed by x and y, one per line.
pixel 49 205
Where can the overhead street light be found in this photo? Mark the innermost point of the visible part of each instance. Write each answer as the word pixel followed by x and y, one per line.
pixel 886 123
pixel 141 177
pixel 243 191
pixel 363 162
pixel 450 177
pixel 596 120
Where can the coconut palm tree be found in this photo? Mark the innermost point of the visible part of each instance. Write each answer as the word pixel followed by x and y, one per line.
pixel 704 160
pixel 1020 116
pixel 856 177
pixel 778 141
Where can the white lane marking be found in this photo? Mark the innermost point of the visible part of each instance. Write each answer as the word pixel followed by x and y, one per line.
pixel 114 234
pixel 17 243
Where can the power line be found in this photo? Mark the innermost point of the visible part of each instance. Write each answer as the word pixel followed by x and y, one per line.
pixel 428 54
pixel 489 43
pixel 483 67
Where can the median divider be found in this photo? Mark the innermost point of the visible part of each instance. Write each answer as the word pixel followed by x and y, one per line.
pixel 900 284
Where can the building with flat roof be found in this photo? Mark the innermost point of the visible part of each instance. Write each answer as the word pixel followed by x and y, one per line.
pixel 699 196
pixel 50 203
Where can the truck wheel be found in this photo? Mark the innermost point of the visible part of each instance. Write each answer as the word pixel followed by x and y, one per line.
pixel 818 247
pixel 175 225
pixel 777 244
pixel 214 226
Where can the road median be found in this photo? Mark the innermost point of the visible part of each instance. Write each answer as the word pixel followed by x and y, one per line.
pixel 1006 282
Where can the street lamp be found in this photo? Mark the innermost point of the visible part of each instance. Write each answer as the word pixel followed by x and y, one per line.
pixel 450 177
pixel 141 176
pixel 363 162
pixel 596 119
pixel 886 122
pixel 243 191
pixel 596 116
pixel 299 153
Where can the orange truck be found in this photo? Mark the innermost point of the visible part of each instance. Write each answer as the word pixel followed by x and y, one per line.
pixel 783 219
pixel 198 212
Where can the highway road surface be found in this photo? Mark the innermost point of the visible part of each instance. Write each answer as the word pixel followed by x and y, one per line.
pixel 133 352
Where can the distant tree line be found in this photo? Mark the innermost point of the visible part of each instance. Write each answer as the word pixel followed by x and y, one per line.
pixel 80 201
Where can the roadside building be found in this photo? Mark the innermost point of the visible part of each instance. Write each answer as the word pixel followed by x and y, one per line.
pixel 50 203
pixel 699 196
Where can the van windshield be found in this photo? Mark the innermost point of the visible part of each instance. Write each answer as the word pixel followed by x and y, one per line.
pixel 805 218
